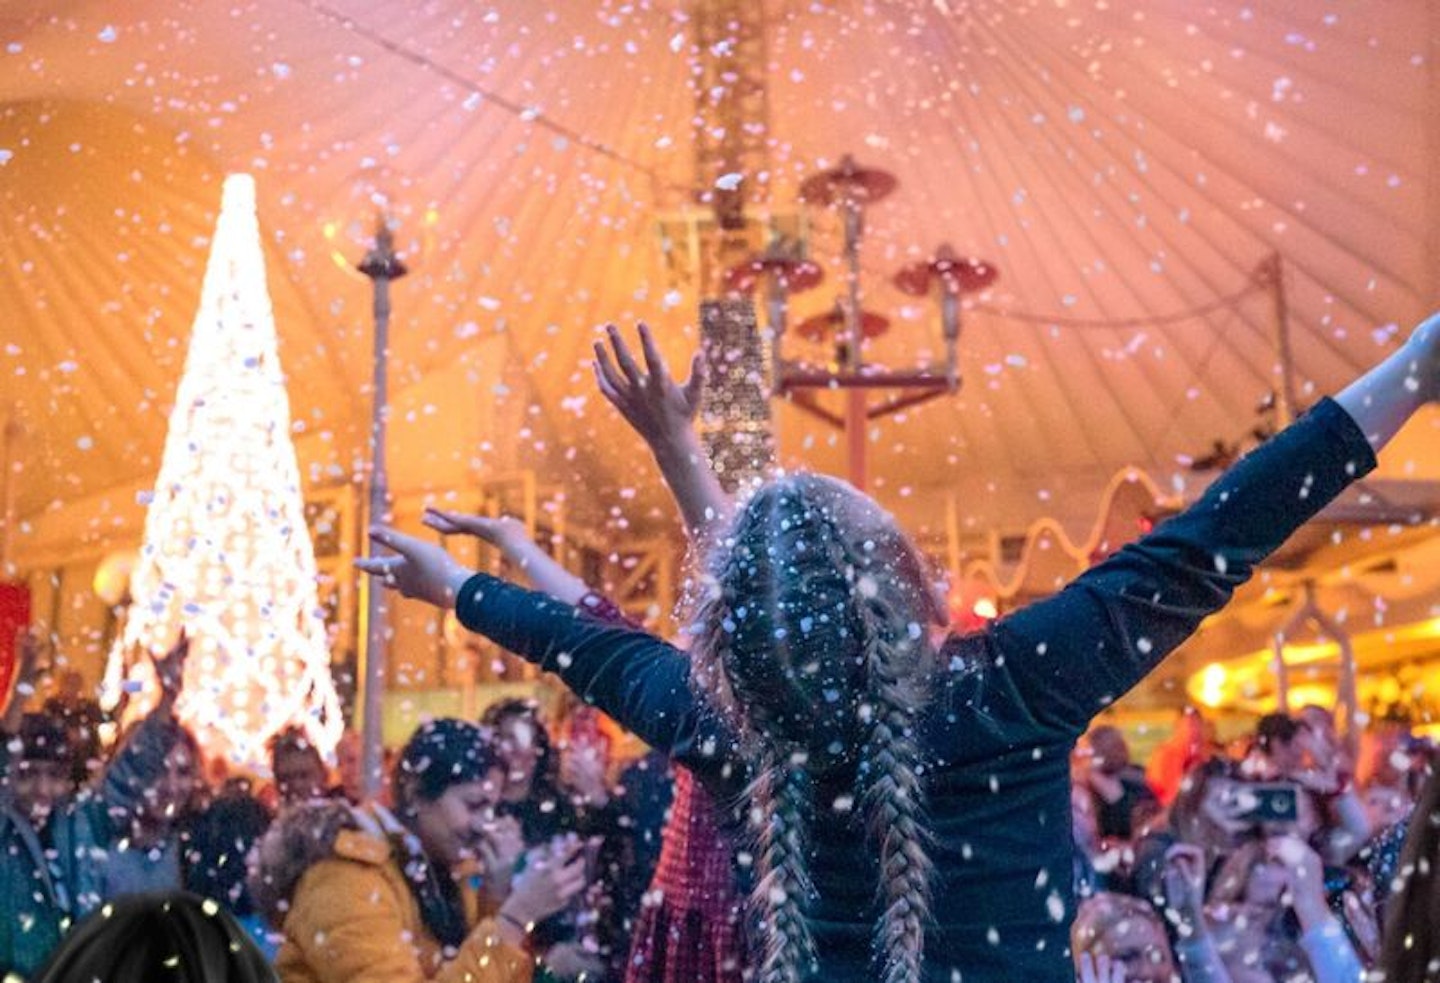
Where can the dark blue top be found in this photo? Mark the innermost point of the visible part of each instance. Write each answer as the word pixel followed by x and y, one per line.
pixel 999 730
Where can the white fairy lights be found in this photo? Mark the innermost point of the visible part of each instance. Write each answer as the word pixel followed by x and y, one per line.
pixel 227 554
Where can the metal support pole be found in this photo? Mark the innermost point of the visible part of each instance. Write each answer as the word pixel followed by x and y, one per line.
pixel 1346 699
pixel 856 401
pixel 382 266
pixel 801 377
pixel 1282 673
pixel 950 327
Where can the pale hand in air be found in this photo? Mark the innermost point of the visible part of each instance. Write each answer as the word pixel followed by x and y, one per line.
pixel 504 532
pixel 170 669
pixel 657 407
pixel 553 875
pixel 420 570
pixel 513 540
pixel 501 846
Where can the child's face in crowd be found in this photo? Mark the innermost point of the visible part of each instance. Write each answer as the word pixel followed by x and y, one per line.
pixel 37 786
pixel 1222 806
pixel 347 764
pixel 520 750
pixel 166 801
pixel 452 828
pixel 299 775
pixel 1140 945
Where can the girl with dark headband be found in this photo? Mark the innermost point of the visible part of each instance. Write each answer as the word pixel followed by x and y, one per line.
pixel 911 800
pixel 689 929
pixel 366 895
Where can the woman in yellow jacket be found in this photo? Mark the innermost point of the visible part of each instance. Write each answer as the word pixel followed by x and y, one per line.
pixel 370 896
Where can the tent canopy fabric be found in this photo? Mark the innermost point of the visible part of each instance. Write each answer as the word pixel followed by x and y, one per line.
pixel 1120 163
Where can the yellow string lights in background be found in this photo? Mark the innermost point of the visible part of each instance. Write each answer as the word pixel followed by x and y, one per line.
pixel 227 554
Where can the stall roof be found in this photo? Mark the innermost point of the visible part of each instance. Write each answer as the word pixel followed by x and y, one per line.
pixel 1122 164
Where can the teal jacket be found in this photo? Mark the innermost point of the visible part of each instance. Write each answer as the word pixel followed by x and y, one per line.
pixel 34 906
pixel 93 857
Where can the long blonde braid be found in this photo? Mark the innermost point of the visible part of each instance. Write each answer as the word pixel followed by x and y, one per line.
pixel 780 802
pixel 894 798
pixel 803 607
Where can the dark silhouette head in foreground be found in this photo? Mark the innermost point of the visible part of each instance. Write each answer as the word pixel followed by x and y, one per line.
pixel 174 937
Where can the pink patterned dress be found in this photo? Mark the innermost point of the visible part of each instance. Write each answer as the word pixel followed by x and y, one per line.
pixel 690 928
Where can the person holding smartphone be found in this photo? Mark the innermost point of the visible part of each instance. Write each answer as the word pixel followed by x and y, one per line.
pixel 1270 915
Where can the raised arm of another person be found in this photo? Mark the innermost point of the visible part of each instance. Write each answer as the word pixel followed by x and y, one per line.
pixel 663 411
pixel 1195 949
pixel 1068 657
pixel 139 761
pixel 1347 827
pixel 1332 956
pixel 170 674
pixel 639 680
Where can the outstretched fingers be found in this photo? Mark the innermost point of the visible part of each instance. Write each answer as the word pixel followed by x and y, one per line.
pixel 454 523
pixel 695 385
pixel 442 522
pixel 605 378
pixel 379 566
pixel 654 361
pixel 605 368
pixel 395 540
pixel 623 357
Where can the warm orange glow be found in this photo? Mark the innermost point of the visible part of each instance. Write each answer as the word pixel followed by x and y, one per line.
pixel 1211 689
pixel 112 577
pixel 1304 694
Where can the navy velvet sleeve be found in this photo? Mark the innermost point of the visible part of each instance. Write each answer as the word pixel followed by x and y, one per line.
pixel 1069 656
pixel 641 681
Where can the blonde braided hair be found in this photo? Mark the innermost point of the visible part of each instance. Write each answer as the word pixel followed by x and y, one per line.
pixel 781 797
pixel 813 647
pixel 895 808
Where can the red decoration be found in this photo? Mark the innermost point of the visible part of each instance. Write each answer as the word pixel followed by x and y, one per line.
pixel 14 617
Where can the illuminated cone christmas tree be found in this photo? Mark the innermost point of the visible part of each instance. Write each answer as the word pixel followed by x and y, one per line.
pixel 227 554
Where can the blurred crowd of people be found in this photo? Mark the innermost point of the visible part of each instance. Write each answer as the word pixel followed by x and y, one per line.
pixel 1271 857
pixel 557 842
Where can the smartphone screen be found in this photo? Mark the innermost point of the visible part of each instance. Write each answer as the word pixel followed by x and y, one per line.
pixel 1269 802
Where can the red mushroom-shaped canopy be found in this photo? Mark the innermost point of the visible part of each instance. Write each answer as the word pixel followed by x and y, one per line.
pixel 847 182
pixel 795 275
pixel 831 324
pixel 956 274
